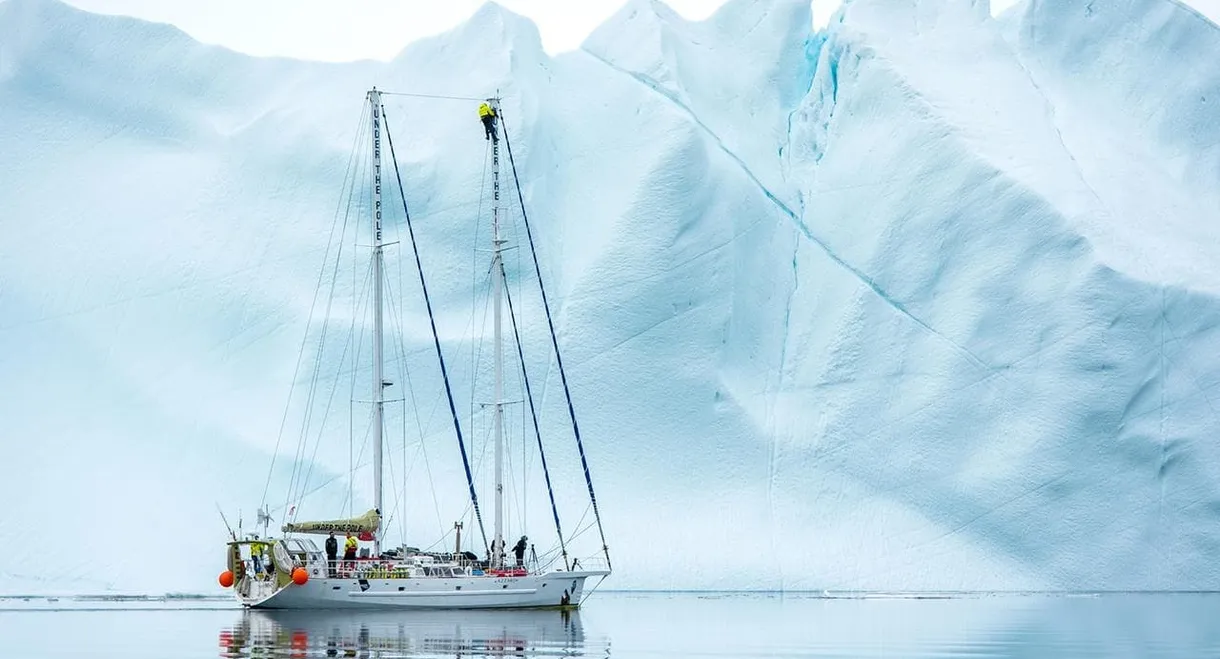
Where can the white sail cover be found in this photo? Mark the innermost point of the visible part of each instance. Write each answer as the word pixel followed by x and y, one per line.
pixel 366 523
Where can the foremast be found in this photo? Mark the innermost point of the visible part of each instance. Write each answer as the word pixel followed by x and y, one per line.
pixel 379 383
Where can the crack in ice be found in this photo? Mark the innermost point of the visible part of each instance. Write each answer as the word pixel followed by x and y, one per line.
pixel 792 215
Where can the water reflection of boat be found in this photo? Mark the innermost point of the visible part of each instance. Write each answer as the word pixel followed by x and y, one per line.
pixel 440 633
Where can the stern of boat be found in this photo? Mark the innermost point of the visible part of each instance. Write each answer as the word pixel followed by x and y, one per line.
pixel 283 564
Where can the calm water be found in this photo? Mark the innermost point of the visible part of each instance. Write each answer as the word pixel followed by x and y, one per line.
pixel 634 625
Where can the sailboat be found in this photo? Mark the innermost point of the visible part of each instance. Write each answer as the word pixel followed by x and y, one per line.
pixel 289 571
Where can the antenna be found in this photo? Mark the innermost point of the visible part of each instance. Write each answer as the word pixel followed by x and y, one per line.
pixel 222 518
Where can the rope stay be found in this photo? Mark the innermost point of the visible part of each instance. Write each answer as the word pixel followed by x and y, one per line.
pixel 347 175
pixel 537 432
pixel 294 501
pixel 436 96
pixel 457 425
pixel 555 343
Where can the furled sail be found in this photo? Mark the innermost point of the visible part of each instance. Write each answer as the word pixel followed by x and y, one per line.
pixel 366 523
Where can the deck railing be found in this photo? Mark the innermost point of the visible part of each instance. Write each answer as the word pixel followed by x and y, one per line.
pixel 373 568
pixel 584 563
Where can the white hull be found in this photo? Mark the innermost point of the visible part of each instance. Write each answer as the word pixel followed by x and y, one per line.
pixel 549 590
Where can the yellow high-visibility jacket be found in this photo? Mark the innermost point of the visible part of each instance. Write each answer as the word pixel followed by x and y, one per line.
pixel 485 110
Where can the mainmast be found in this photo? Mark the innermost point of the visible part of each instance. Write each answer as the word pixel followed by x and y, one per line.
pixel 497 274
pixel 378 374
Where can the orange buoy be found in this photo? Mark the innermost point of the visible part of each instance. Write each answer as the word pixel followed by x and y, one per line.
pixel 226 578
pixel 300 576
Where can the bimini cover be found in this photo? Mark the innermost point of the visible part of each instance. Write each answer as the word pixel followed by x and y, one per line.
pixel 366 523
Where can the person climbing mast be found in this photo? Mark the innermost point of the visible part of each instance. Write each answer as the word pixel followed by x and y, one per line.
pixel 488 114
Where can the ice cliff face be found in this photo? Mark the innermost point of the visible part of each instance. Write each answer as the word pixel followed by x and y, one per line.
pixel 921 301
pixel 998 420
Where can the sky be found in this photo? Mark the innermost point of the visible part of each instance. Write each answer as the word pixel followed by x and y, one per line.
pixel 344 30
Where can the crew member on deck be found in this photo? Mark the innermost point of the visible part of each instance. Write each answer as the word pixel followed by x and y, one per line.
pixel 332 551
pixel 256 552
pixel 519 550
pixel 349 551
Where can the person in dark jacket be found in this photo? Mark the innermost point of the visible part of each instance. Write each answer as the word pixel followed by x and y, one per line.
pixel 519 550
pixel 332 552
